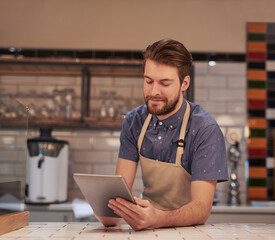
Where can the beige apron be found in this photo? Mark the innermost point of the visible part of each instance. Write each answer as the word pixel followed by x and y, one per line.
pixel 166 185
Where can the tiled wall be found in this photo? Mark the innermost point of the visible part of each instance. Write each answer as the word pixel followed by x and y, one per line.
pixel 219 89
pixel 261 113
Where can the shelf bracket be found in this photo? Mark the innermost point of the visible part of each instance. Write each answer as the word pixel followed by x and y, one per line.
pixel 85 93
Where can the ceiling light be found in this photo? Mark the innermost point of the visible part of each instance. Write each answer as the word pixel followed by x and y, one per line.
pixel 212 63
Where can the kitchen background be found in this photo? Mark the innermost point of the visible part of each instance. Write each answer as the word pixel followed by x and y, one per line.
pixel 206 27
pixel 220 89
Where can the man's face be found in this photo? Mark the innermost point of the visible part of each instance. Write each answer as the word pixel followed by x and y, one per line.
pixel 162 89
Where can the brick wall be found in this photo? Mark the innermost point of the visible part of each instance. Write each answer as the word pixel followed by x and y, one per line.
pixel 221 90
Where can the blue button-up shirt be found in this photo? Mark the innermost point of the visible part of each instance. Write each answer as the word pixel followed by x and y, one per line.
pixel 204 155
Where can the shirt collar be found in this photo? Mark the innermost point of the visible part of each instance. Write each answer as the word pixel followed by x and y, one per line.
pixel 173 121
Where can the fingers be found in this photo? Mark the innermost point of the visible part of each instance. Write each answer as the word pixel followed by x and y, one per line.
pixel 122 207
pixel 138 216
pixel 135 215
pixel 128 207
pixel 127 214
pixel 142 203
pixel 123 211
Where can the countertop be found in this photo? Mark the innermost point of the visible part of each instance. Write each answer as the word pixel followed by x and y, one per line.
pixel 220 214
pixel 88 230
pixel 243 209
pixel 215 209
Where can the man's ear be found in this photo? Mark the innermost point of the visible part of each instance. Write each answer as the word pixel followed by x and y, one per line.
pixel 185 83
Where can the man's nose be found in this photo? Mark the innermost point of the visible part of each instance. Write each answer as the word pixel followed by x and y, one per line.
pixel 155 90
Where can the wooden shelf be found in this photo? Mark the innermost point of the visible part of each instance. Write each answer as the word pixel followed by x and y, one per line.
pixel 37 122
pixel 68 66
pixel 108 123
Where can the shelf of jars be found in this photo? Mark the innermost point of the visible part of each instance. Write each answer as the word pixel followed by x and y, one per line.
pixel 19 114
pixel 56 110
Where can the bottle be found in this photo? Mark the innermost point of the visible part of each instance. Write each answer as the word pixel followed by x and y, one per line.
pixel 103 110
pixel 111 110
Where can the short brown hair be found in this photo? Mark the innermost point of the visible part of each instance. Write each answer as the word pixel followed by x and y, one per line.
pixel 172 53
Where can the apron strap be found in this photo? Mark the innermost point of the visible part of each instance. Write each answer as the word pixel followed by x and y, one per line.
pixel 143 130
pixel 181 142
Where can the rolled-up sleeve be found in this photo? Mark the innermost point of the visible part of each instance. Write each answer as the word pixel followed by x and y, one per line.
pixel 209 155
pixel 128 143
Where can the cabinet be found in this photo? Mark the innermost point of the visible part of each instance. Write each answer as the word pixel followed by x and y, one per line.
pixel 83 68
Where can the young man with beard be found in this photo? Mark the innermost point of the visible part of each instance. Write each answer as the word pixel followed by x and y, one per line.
pixel 179 145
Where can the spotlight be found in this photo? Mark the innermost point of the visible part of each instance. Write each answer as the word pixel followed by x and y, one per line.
pixel 212 63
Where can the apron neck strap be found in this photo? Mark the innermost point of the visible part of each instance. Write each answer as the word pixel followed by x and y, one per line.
pixel 181 141
pixel 143 130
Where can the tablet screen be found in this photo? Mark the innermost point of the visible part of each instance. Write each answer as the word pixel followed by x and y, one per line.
pixel 99 189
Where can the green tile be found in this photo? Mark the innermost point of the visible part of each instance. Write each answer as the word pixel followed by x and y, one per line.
pixel 256 37
pixel 257 182
pixel 257 133
pixel 256 84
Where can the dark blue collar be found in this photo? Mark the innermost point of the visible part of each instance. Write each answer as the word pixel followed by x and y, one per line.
pixel 173 121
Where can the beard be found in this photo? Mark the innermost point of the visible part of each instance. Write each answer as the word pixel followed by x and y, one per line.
pixel 167 108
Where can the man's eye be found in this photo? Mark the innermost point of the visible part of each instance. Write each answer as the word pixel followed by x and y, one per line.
pixel 165 84
pixel 149 82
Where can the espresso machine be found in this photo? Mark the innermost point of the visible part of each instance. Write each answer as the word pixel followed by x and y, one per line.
pixel 234 156
pixel 47 169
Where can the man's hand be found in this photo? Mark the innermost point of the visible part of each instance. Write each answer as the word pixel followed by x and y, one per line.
pixel 140 216
pixel 144 215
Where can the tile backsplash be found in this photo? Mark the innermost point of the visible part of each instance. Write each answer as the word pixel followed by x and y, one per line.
pixel 220 90
pixel 261 104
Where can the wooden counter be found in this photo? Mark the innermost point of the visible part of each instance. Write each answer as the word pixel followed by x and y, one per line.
pixel 85 230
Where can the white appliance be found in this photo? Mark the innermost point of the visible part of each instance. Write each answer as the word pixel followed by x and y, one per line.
pixel 47 169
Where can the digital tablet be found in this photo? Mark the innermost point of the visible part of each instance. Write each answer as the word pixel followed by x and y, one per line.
pixel 99 189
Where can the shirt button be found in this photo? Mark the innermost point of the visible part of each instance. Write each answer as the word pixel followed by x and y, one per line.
pixel 160 123
pixel 171 126
pixel 159 137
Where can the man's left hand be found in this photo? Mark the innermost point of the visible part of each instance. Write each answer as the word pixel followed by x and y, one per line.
pixel 139 216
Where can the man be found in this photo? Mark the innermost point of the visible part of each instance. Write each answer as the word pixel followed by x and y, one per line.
pixel 180 147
